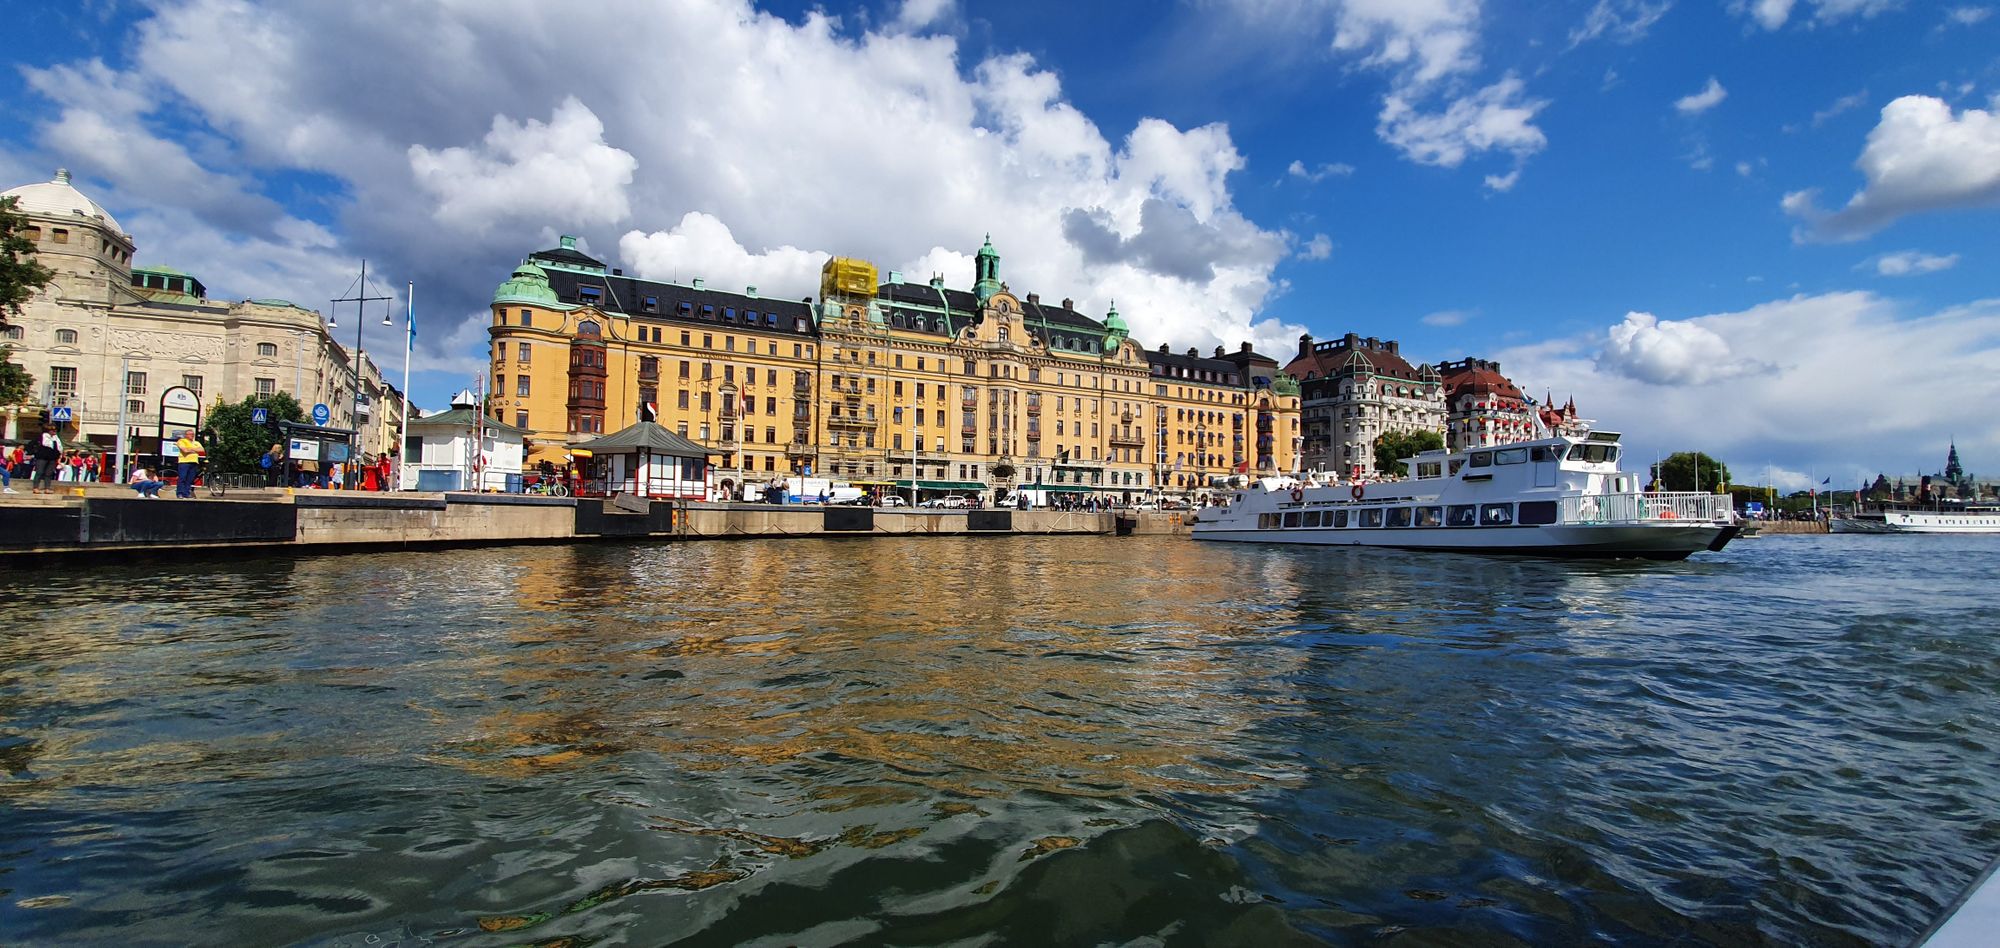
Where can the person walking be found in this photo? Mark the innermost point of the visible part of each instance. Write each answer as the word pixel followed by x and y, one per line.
pixel 273 463
pixel 47 451
pixel 191 452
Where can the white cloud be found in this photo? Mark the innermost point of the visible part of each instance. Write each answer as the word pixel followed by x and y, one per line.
pixel 1502 183
pixel 1446 318
pixel 1621 21
pixel 1811 351
pixel 1843 104
pixel 1913 263
pixel 1920 157
pixel 560 173
pixel 1709 97
pixel 1744 168
pixel 1427 39
pixel 503 126
pixel 1968 16
pixel 1319 247
pixel 1496 118
pixel 1646 349
pixel 1320 173
pixel 1772 14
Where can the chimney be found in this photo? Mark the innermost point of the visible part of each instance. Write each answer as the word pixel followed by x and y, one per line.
pixel 750 291
pixel 895 276
pixel 1245 348
pixel 1373 343
pixel 697 283
pixel 1035 298
pixel 1351 340
pixel 1194 353
pixel 1163 348
pixel 617 272
pixel 1218 352
pixel 1305 345
pixel 1068 303
pixel 1392 346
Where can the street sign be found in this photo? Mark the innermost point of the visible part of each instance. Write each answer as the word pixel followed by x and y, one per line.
pixel 321 413
pixel 61 414
pixel 259 416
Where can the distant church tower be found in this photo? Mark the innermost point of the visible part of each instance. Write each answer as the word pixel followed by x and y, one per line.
pixel 1953 471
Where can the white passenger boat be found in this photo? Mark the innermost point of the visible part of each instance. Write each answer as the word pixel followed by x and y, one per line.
pixel 1557 496
pixel 1967 519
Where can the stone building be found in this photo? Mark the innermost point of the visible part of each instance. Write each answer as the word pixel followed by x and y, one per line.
pixel 106 337
pixel 1482 406
pixel 1357 389
pixel 880 382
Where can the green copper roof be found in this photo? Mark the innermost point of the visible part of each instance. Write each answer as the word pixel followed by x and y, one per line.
pixel 1113 321
pixel 1285 385
pixel 986 267
pixel 529 284
pixel 277 302
pixel 163 271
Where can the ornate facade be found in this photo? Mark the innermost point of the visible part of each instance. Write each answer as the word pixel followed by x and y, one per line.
pixel 106 337
pixel 880 382
pixel 1483 407
pixel 1356 390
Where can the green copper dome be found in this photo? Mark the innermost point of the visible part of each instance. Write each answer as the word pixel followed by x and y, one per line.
pixel 1113 321
pixel 1285 385
pixel 529 284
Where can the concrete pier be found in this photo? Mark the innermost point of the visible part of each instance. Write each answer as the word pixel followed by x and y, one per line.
pixel 101 519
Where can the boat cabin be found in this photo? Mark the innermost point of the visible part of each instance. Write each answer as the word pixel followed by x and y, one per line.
pixel 1586 465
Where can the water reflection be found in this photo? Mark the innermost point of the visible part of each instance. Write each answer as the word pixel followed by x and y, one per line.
pixel 1045 739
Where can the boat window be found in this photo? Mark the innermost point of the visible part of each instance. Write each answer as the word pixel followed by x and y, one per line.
pixel 1542 452
pixel 1430 516
pixel 1538 512
pixel 1511 456
pixel 1594 453
pixel 1399 516
pixel 1485 458
pixel 1267 521
pixel 1496 515
pixel 1292 519
pixel 1371 518
pixel 1463 515
pixel 1312 518
pixel 1431 469
pixel 1457 463
pixel 1339 518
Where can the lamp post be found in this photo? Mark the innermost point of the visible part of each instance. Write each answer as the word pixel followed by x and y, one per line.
pixel 910 414
pixel 361 299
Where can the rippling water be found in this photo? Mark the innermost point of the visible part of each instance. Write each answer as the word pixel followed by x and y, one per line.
pixel 984 741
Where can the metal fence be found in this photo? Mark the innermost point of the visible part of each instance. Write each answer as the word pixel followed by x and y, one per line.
pixel 1645 508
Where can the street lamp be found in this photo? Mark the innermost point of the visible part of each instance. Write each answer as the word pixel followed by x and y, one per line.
pixel 910 414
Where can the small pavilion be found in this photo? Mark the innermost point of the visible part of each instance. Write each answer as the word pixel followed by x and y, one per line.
pixel 646 460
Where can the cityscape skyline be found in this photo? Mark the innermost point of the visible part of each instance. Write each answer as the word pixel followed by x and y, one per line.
pixel 1613 200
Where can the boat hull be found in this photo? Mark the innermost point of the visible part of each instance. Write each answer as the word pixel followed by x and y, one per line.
pixel 1896 521
pixel 1622 541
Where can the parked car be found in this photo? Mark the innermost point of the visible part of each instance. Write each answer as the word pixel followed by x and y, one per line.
pixel 893 500
pixel 951 502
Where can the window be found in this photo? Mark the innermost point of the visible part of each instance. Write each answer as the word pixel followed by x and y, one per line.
pixel 61 235
pixel 1538 512
pixel 135 407
pixel 1430 516
pixel 193 384
pixel 135 383
pixel 267 386
pixel 650 304
pixel 65 337
pixel 684 368
pixel 500 352
pixel 1292 519
pixel 1371 518
pixel 521 387
pixel 1482 459
pixel 1511 456
pixel 1496 515
pixel 521 418
pixel 683 398
pixel 1462 515
pixel 708 340
pixel 1338 519
pixel 590 295
pixel 267 350
pixel 528 318
pixel 1399 516
pixel 523 351
pixel 1311 518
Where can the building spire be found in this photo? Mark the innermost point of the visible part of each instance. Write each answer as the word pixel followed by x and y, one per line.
pixel 987 267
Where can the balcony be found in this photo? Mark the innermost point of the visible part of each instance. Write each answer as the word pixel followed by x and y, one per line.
pixel 1034 434
pixel 1128 440
pixel 1034 408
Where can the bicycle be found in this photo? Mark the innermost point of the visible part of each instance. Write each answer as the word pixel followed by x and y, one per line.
pixel 220 484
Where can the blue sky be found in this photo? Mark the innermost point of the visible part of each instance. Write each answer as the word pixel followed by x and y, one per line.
pixel 1758 227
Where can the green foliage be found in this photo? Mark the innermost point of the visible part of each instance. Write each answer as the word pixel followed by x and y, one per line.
pixel 1392 447
pixel 20 274
pixel 238 442
pixel 15 382
pixel 1689 470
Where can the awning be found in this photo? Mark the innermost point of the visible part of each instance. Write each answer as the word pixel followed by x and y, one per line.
pixel 871 483
pixel 580 452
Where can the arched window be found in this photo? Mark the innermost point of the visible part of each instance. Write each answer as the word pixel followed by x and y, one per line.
pixel 588 328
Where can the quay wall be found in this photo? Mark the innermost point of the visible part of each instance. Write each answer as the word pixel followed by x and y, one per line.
pixel 1773 527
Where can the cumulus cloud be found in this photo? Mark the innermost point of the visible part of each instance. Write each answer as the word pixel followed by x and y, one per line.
pixel 1620 21
pixel 1429 40
pixel 1809 351
pixel 1498 117
pixel 504 126
pixel 1913 263
pixel 1502 183
pixel 1772 14
pixel 1709 97
pixel 1920 157
pixel 1645 348
pixel 559 172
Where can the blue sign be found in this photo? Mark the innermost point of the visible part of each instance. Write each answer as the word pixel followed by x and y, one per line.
pixel 61 414
pixel 259 416
pixel 321 413
pixel 1754 507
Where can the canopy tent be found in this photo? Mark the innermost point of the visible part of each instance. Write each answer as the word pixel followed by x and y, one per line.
pixel 663 464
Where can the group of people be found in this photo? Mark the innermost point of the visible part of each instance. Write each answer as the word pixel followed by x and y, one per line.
pixel 45 462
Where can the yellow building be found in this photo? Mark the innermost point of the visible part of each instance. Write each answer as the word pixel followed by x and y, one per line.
pixel 882 382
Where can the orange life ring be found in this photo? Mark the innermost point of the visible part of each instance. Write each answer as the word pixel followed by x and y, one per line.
pixel 1298 494
pixel 1356 492
pixel 1669 515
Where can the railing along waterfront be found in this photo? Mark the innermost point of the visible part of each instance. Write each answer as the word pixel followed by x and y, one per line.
pixel 1644 508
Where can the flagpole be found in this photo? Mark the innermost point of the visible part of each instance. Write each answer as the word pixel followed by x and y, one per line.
pixel 409 349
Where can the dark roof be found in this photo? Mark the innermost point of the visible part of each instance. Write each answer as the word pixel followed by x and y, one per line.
pixel 1327 359
pixel 1476 376
pixel 645 435
pixel 464 418
pixel 1170 365
pixel 567 256
pixel 962 308
pixel 627 296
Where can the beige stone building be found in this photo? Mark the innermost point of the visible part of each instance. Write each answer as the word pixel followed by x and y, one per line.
pixel 106 339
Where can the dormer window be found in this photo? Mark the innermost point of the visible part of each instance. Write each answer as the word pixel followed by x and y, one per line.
pixel 590 295
pixel 651 304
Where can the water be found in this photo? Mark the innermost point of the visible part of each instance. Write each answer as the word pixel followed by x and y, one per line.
pixel 999 741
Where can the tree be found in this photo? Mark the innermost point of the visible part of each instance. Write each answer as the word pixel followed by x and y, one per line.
pixel 1393 446
pixel 239 441
pixel 20 277
pixel 1688 471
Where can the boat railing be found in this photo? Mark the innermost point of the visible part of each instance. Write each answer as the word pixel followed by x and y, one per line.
pixel 1645 508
